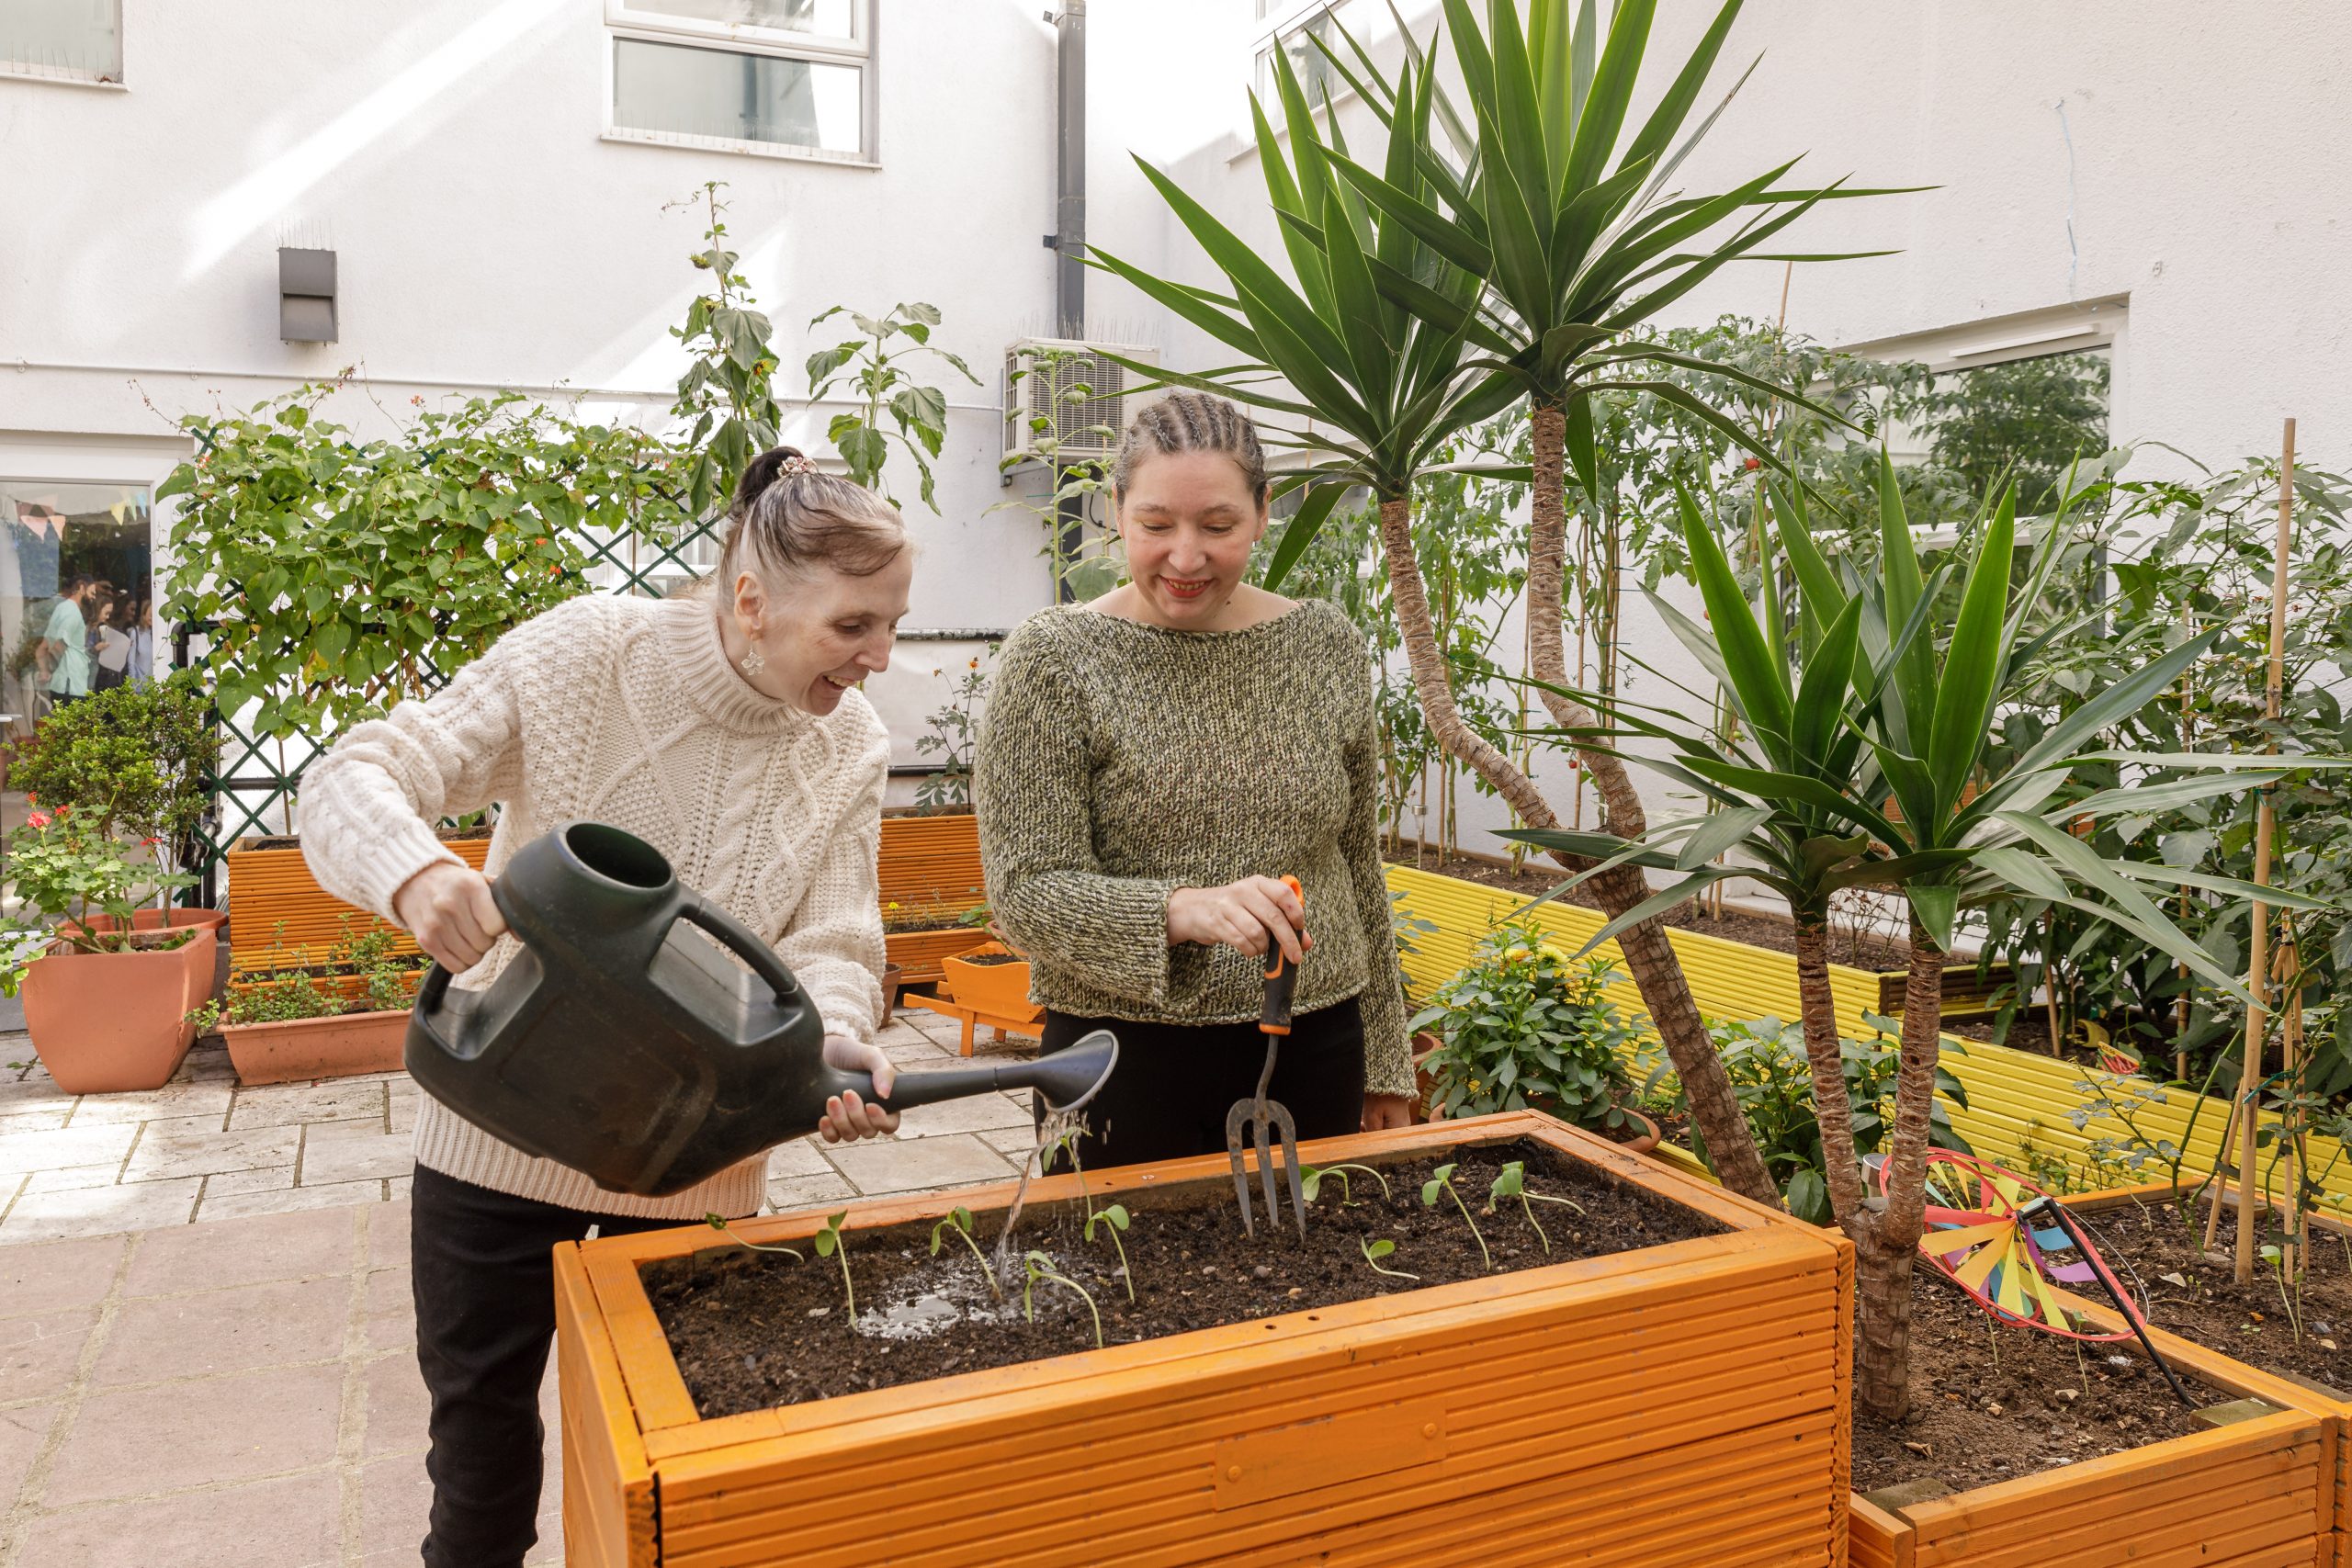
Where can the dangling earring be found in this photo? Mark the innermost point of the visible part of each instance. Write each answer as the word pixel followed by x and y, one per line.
pixel 753 660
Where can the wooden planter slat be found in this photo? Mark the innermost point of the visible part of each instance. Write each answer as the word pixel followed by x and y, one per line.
pixel 270 886
pixel 931 861
pixel 612 1525
pixel 1124 1455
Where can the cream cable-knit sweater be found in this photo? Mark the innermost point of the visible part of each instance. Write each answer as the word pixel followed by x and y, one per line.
pixel 625 711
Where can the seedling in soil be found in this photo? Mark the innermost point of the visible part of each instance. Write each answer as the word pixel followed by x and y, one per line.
pixel 959 1223
pixel 1041 1267
pixel 1113 1219
pixel 829 1244
pixel 2277 1258
pixel 718 1224
pixel 1373 1251
pixel 1512 1183
pixel 1311 1177
pixel 1442 1181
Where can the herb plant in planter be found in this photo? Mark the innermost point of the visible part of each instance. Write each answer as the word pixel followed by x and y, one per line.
pixel 105 999
pixel 348 1015
pixel 1523 1028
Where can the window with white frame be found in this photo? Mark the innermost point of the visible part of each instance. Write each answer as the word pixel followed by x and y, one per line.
pixel 70 41
pixel 789 77
pixel 1293 29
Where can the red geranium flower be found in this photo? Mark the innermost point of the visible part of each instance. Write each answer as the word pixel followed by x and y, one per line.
pixel 38 819
pixel 1753 464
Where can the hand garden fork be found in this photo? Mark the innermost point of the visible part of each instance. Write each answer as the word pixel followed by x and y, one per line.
pixel 1260 1116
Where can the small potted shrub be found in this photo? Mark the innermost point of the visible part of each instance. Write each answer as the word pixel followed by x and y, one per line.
pixel 320 1020
pixel 1522 1028
pixel 106 994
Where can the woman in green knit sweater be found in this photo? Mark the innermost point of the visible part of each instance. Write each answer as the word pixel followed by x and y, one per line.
pixel 1151 764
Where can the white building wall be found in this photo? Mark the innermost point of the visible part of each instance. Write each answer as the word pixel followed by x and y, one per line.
pixel 450 153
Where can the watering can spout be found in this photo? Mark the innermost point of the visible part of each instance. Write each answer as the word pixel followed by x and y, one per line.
pixel 1068 1079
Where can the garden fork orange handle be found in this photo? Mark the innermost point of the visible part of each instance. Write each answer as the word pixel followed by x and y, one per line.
pixel 1282 978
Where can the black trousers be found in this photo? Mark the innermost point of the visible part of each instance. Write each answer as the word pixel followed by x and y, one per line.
pixel 1167 1097
pixel 481 1271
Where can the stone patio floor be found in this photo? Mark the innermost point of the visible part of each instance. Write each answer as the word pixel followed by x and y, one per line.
pixel 206 1349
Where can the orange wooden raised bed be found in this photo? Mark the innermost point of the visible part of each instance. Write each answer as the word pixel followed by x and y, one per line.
pixel 2252 1493
pixel 930 867
pixel 270 886
pixel 993 987
pixel 1677 1404
pixel 917 955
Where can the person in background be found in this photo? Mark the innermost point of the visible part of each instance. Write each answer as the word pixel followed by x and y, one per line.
pixel 142 628
pixel 111 642
pixel 64 657
pixel 1150 765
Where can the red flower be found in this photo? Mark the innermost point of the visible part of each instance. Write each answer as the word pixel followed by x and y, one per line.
pixel 38 819
pixel 1753 464
pixel 151 840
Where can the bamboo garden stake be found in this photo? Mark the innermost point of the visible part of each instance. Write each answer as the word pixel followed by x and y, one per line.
pixel 2265 822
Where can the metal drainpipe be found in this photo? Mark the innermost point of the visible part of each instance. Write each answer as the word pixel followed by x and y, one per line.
pixel 1069 237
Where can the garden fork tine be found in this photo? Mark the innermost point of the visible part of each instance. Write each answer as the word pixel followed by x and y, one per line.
pixel 1262 1117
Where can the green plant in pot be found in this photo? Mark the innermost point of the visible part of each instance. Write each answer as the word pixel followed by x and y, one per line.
pixel 133 759
pixel 103 1002
pixel 1525 1028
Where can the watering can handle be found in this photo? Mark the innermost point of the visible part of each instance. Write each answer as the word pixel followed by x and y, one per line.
pixel 700 911
pixel 427 1009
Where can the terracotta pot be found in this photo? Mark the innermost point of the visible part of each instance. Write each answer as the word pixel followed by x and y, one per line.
pixel 317 1047
pixel 110 1022
pixel 1424 1084
pixel 992 987
pixel 1421 1427
pixel 893 979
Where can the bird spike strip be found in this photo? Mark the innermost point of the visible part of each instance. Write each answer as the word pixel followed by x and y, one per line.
pixel 1979 1237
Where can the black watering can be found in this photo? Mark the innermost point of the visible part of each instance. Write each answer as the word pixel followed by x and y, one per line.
pixel 622 1046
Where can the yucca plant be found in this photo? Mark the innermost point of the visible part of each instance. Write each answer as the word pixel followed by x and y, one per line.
pixel 1861 761
pixel 1453 283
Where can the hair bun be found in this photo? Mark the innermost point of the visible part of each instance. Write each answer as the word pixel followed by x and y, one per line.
pixel 775 463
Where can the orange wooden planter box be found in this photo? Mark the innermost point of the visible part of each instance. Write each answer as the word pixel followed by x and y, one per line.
pixel 2249 1494
pixel 1677 1404
pixel 919 955
pixel 992 988
pixel 273 886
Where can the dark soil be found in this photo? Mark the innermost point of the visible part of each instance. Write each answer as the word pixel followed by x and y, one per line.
pixel 988 960
pixel 1991 1401
pixel 751 1329
pixel 1859 950
pixel 2196 1295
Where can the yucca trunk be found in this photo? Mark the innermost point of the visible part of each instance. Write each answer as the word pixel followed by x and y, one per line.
pixel 1649 958
pixel 1817 1011
pixel 1882 1265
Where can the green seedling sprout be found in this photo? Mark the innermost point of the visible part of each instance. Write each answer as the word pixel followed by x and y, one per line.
pixel 829 1244
pixel 959 1223
pixel 718 1224
pixel 1512 1183
pixel 1442 1181
pixel 1311 1177
pixel 1113 1218
pixel 1041 1267
pixel 1373 1251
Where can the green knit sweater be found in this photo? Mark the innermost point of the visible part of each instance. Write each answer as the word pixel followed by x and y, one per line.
pixel 1119 761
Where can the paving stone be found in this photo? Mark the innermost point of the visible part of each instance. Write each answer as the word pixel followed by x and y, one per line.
pixel 188 1101
pixel 35 1120
pixel 38 1355
pixel 75 1178
pixel 100 1210
pixel 23 1430
pixel 396 1188
pixel 270 1179
pixel 887 1166
pixel 218 1254
pixel 395 1503
pixel 40 1280
pixel 353 1151
pixel 288 1522
pixel 808 1191
pixel 329 1195
pixel 22 1097
pixel 287 1105
pixel 23 1152
pixel 208 1064
pixel 196 1147
pixel 980 1113
pixel 388 1234
pixel 388 1313
pixel 918 1053
pixel 397 1406
pixel 1013 1143
pixel 156 1339
pixel 190 1434
pixel 802 1157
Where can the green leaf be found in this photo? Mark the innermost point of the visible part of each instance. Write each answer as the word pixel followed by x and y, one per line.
pixel 1973 663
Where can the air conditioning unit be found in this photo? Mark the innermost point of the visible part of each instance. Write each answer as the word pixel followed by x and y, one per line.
pixel 1066 401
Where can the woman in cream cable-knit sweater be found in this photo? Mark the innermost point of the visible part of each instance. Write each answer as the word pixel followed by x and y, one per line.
pixel 722 729
pixel 1151 764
